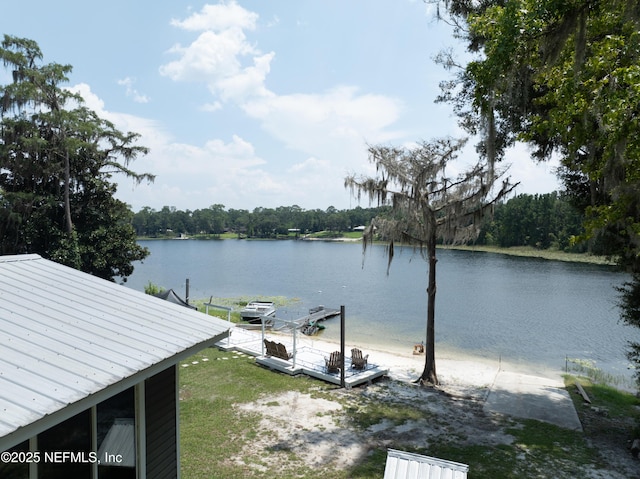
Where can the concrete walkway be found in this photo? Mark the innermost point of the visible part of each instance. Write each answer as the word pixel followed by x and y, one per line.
pixel 532 397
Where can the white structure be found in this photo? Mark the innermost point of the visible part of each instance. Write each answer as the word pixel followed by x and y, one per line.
pixel 406 465
pixel 88 373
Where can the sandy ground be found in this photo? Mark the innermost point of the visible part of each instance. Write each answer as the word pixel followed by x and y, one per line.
pixel 302 429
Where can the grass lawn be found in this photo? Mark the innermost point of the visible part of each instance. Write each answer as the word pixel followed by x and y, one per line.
pixel 211 429
pixel 215 430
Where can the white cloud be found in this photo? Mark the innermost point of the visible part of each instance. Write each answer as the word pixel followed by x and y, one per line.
pixel 150 131
pixel 221 57
pixel 223 16
pixel 189 176
pixel 132 92
pixel 534 178
pixel 333 126
pixel 330 128
pixel 247 82
pixel 232 172
pixel 211 107
pixel 275 20
pixel 216 172
pixel 313 123
pixel 210 58
pixel 311 164
pixel 91 100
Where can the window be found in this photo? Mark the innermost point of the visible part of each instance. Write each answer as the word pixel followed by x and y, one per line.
pixel 116 434
pixel 68 445
pixel 18 469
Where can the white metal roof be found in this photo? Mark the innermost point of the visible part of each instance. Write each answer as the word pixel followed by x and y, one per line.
pixel 69 338
pixel 406 465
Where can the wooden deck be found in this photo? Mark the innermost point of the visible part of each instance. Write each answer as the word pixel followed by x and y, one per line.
pixel 306 359
pixel 318 314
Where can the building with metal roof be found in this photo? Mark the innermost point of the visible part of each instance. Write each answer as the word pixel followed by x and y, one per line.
pixel 406 465
pixel 83 361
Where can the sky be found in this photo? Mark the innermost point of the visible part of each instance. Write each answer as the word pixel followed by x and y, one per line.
pixel 254 103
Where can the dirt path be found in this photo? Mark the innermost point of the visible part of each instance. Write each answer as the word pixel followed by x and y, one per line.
pixel 321 433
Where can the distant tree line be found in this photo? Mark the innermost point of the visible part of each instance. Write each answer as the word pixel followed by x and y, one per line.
pixel 541 221
pixel 259 223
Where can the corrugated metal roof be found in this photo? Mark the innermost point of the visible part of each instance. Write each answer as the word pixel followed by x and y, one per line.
pixel 406 465
pixel 65 335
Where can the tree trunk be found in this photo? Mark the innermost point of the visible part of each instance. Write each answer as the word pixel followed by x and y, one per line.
pixel 67 201
pixel 429 375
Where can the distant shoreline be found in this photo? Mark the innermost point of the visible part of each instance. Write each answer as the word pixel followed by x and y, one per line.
pixel 521 251
pixel 529 252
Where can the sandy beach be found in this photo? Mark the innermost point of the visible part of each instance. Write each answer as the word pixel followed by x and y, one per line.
pixel 502 388
pixel 403 365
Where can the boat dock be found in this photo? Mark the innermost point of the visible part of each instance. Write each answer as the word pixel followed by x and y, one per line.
pixel 320 314
pixel 307 356
pixel 309 324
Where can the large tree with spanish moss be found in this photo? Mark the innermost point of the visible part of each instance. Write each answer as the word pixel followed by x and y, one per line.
pixel 57 158
pixel 427 206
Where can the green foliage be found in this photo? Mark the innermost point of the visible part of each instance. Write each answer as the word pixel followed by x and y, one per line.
pixel 259 223
pixel 629 303
pixel 56 161
pixel 540 221
pixel 153 289
pixel 588 369
pixel 564 77
pixel 545 221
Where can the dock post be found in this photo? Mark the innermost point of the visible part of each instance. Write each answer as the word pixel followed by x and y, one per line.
pixel 342 347
pixel 295 350
pixel 262 326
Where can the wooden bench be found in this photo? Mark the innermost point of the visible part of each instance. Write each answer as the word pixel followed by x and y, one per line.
pixel 277 350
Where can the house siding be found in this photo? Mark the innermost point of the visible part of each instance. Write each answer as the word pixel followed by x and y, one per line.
pixel 161 425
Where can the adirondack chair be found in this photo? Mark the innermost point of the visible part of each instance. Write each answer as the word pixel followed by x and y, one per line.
pixel 357 360
pixel 333 363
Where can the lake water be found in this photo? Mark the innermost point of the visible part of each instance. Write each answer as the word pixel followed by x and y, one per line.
pixel 523 310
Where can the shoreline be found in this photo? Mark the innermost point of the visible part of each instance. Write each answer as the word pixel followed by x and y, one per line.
pixel 454 369
pixel 499 387
pixel 519 251
pixel 443 353
pixel 530 252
